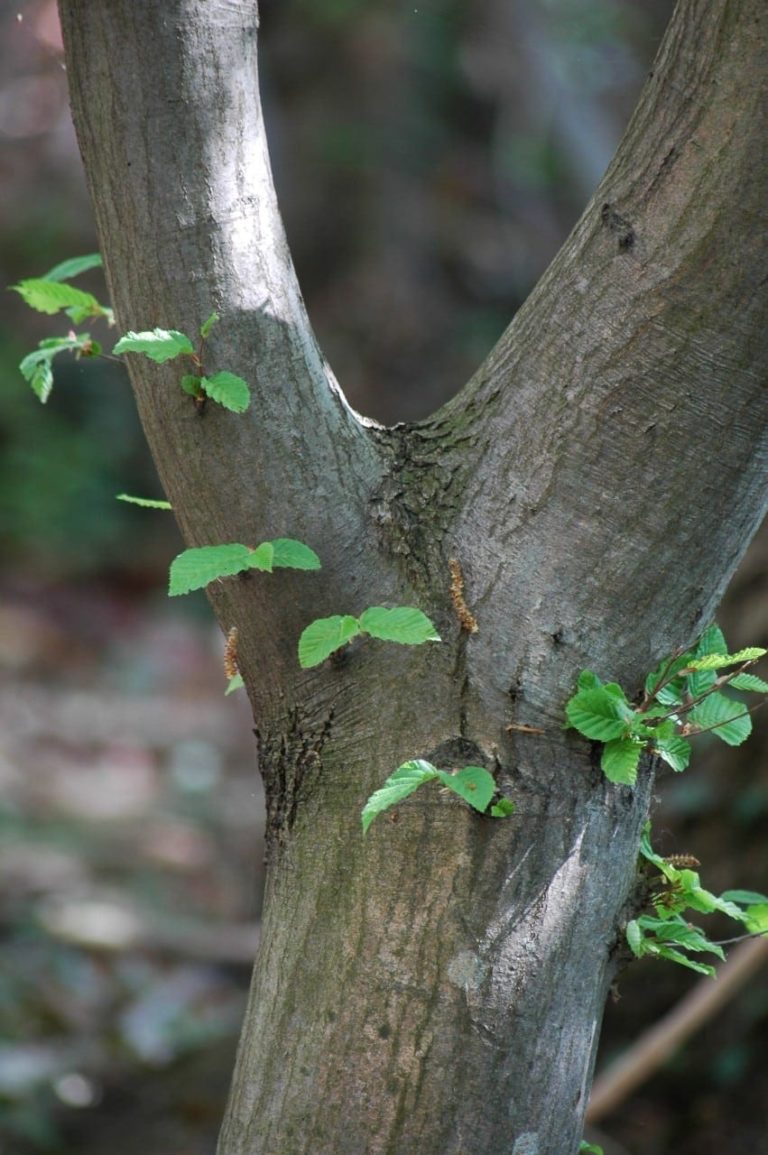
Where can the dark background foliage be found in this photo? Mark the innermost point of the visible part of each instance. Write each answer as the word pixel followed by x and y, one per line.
pixel 430 158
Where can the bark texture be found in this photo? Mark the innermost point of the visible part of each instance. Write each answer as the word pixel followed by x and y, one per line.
pixel 438 987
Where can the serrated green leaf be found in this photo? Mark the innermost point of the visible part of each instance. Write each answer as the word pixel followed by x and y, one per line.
pixel 191 384
pixel 647 850
pixel 634 937
pixel 290 554
pixel 619 761
pixel 195 568
pixel 670 694
pixel 680 933
pixel 144 502
pixel 473 783
pixel 745 897
pixel 749 682
pixel 590 1148
pixel 398 786
pixel 208 324
pixel 403 624
pixel 756 918
pixel 588 681
pixel 325 635
pixel 38 372
pixel 228 390
pixel 36 367
pixel 682 960
pixel 712 641
pixel 235 683
pixel 73 267
pixel 718 661
pixel 52 296
pixel 726 718
pixel 675 751
pixel 503 808
pixel 263 557
pixel 598 715
pixel 158 344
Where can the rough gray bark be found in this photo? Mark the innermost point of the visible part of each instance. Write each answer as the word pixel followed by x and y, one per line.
pixel 439 986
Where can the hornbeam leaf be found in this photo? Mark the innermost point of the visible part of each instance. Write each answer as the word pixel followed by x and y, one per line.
pixel 598 715
pixel 73 267
pixel 195 568
pixel 228 390
pixel 403 624
pixel 325 635
pixel 53 296
pixel 144 502
pixel 292 554
pixel 473 783
pixel 398 786
pixel 158 344
pixel 724 717
pixel 619 761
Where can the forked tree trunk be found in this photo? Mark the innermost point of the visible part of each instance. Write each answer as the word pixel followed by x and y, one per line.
pixel 438 987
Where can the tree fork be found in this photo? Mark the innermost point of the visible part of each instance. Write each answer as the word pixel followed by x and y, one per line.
pixel 438 987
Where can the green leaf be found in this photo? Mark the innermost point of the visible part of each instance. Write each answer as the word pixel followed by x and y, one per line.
pixel 635 938
pixel 716 661
pixel 619 761
pixel 144 502
pixel 473 783
pixel 682 960
pixel 745 897
pixel 589 1148
pixel 647 850
pixel 73 267
pixel 503 808
pixel 195 568
pixel 323 636
pixel 263 557
pixel 712 641
pixel 404 624
pixel 52 296
pixel 675 751
pixel 598 715
pixel 228 390
pixel 398 786
pixel 192 385
pixel 235 683
pixel 290 554
pixel 670 694
pixel 36 367
pixel 729 719
pixel 749 682
pixel 158 344
pixel 208 324
pixel 756 918
pixel 588 681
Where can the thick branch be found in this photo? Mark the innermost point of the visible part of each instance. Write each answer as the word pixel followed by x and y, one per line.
pixel 606 466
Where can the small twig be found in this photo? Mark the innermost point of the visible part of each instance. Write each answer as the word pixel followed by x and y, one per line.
pixel 523 729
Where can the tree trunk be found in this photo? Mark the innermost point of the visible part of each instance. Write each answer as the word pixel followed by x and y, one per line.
pixel 437 987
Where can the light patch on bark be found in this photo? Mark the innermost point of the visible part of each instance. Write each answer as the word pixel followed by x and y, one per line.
pixel 466 970
pixel 527 1144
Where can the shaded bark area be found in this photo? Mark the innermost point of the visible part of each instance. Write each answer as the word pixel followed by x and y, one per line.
pixel 439 986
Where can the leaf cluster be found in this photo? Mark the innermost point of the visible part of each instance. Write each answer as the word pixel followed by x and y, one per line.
pixel 196 568
pixel 51 294
pixel 473 784
pixel 667 933
pixel 682 697
pixel 404 624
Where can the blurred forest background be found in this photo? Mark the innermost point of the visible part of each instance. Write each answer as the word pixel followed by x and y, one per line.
pixel 430 158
